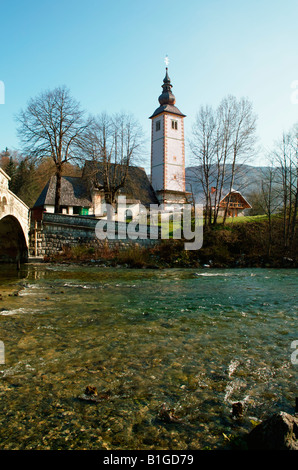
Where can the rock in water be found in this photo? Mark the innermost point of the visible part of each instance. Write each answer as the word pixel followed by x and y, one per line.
pixel 168 416
pixel 91 395
pixel 90 390
pixel 279 432
pixel 237 409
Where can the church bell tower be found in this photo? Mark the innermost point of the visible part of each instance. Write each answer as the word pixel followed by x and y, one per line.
pixel 168 149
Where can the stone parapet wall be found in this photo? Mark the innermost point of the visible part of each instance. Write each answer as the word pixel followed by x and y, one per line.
pixel 51 243
pixel 57 231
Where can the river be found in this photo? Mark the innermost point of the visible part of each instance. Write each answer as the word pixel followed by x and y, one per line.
pixel 189 341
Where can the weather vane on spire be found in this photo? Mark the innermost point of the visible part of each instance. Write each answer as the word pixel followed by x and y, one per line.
pixel 166 61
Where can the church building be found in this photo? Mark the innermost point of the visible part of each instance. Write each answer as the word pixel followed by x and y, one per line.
pixel 166 187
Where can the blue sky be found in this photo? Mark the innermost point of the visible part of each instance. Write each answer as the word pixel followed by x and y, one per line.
pixel 110 54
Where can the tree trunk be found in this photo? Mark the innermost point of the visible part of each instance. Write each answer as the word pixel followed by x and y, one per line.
pixel 269 235
pixel 231 187
pixel 294 217
pixel 58 189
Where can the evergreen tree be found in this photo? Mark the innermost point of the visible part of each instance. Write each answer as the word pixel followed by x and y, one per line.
pixel 11 170
pixel 25 184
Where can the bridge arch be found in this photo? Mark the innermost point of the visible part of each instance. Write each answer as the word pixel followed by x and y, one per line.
pixel 14 224
pixel 13 246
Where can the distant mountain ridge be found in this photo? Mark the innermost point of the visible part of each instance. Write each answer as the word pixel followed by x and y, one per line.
pixel 247 180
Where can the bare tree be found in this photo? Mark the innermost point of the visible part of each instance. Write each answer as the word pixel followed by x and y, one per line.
pixel 52 125
pixel 221 137
pixel 113 143
pixel 243 138
pixel 286 159
pixel 270 197
pixel 294 184
pixel 224 115
pixel 203 150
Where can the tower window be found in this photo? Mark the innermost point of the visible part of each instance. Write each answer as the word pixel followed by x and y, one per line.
pixel 174 124
pixel 157 126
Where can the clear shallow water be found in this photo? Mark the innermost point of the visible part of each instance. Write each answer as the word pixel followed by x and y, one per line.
pixel 193 340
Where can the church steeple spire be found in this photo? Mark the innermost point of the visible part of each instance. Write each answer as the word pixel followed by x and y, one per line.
pixel 167 99
pixel 167 96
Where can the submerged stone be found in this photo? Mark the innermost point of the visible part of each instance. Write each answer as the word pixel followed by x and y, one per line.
pixel 168 416
pixel 91 390
pixel 91 395
pixel 237 409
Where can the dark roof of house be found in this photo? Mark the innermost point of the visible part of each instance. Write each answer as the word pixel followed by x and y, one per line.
pixel 74 193
pixel 167 108
pixel 137 185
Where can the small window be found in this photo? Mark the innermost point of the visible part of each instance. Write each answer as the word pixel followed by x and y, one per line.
pixel 157 126
pixel 128 215
pixel 84 211
pixel 175 177
pixel 174 158
pixel 175 125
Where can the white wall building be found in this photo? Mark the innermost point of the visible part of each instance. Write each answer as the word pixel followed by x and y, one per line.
pixel 80 196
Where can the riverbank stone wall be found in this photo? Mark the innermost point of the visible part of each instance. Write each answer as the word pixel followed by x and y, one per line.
pixel 55 232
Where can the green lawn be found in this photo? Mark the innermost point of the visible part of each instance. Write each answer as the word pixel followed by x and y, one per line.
pixel 229 220
pixel 243 219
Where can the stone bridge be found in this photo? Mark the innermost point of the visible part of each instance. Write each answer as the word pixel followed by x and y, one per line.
pixel 14 224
